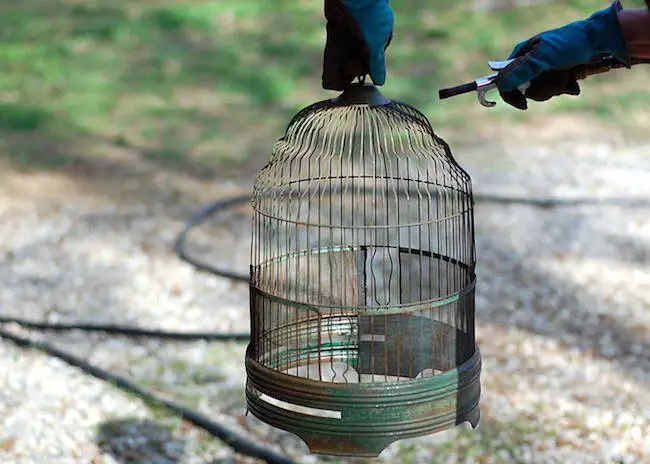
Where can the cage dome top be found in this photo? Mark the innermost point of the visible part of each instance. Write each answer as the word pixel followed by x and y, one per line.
pixel 361 134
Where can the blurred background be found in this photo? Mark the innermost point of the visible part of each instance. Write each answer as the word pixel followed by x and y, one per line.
pixel 118 120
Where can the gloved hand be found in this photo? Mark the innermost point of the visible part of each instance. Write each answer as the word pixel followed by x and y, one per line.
pixel 358 33
pixel 546 60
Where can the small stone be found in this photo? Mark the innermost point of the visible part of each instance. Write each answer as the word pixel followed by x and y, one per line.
pixel 635 433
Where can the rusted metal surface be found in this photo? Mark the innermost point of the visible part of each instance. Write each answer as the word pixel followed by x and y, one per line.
pixel 372 415
pixel 362 280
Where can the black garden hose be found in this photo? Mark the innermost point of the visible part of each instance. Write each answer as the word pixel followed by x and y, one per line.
pixel 232 438
pixel 235 440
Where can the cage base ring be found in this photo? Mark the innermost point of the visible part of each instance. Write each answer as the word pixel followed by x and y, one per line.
pixel 362 419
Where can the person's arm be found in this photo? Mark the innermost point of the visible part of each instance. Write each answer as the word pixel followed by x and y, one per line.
pixel 635 25
pixel 546 62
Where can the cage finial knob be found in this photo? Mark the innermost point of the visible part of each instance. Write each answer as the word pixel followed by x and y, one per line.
pixel 361 94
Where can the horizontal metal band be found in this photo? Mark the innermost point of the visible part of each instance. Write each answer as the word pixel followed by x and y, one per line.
pixel 357 248
pixel 363 227
pixel 367 310
pixel 330 395
pixel 362 419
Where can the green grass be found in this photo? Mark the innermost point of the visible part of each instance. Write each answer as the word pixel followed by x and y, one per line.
pixel 213 83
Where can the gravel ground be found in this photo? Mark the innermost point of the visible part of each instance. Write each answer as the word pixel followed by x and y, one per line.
pixel 563 317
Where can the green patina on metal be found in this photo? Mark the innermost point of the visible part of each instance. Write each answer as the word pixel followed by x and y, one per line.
pixel 362 280
pixel 381 412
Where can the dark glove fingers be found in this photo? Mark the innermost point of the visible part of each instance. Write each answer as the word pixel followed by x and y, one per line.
pixel 515 98
pixel 573 88
pixel 346 53
pixel 342 62
pixel 544 87
pixel 552 84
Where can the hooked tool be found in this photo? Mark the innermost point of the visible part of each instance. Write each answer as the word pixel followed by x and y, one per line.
pixel 484 84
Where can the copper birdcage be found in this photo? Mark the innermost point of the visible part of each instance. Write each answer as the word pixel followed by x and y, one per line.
pixel 362 279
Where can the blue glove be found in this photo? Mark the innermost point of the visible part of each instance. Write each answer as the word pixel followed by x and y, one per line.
pixel 358 33
pixel 546 60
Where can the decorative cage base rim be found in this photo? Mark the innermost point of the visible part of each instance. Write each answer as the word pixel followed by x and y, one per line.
pixel 372 415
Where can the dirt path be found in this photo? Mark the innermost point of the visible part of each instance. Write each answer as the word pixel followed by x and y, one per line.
pixel 563 318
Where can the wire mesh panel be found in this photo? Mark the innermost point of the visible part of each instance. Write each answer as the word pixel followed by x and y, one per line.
pixel 362 279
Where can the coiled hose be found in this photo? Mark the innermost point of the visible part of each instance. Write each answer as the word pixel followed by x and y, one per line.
pixel 232 438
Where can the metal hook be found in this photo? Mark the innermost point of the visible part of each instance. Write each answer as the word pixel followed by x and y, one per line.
pixel 483 86
pixel 487 83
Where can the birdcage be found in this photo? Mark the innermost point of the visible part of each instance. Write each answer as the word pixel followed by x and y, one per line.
pixel 362 280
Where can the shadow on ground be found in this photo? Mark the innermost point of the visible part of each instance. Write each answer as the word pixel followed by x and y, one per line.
pixel 126 93
pixel 33 139
pixel 587 315
pixel 137 441
pixel 513 255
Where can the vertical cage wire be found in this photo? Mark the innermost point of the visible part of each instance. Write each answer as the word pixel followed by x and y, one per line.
pixel 363 255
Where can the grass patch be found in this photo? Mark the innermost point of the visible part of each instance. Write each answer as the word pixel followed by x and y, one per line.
pixel 22 118
pixel 215 82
